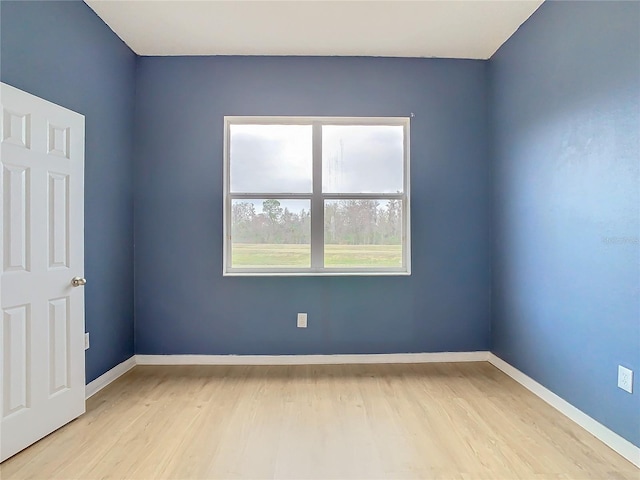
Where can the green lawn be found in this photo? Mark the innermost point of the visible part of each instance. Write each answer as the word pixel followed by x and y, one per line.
pixel 248 255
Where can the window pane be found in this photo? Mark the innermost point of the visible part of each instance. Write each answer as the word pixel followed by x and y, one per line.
pixel 362 159
pixel 270 233
pixel 362 233
pixel 271 158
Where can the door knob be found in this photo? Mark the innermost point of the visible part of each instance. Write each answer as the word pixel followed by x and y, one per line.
pixel 78 281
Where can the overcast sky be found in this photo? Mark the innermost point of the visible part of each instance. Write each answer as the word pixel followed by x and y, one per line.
pixel 278 159
pixel 365 159
pixel 271 158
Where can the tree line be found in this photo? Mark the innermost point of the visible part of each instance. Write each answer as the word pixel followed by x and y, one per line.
pixel 347 222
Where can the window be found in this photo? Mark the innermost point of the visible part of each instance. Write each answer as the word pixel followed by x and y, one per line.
pixel 316 196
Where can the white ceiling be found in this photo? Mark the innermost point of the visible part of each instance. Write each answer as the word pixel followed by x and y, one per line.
pixel 395 28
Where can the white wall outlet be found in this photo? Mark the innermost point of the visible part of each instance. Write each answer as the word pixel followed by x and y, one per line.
pixel 86 340
pixel 625 379
pixel 302 320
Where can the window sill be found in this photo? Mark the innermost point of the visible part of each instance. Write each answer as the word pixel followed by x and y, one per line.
pixel 359 273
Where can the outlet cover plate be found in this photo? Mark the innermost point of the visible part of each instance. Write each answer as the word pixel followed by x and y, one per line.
pixel 302 320
pixel 625 379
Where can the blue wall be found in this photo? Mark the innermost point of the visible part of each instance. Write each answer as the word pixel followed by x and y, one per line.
pixel 565 108
pixel 63 52
pixel 184 305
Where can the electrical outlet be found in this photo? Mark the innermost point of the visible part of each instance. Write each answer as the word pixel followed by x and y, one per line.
pixel 302 320
pixel 625 379
pixel 86 340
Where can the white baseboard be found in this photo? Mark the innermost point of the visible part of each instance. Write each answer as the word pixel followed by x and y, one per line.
pixel 624 447
pixel 311 359
pixel 106 378
pixel 116 372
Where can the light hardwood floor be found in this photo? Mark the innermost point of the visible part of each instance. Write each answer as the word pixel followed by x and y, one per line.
pixel 448 421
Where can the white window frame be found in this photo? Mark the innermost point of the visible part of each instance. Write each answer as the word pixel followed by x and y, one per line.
pixel 316 198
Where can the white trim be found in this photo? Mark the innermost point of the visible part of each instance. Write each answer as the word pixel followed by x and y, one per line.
pixel 301 120
pixel 116 372
pixel 226 201
pixel 311 359
pixel 106 378
pixel 622 446
pixel 406 202
pixel 354 272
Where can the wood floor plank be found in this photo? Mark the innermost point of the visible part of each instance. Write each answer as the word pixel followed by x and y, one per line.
pixel 422 421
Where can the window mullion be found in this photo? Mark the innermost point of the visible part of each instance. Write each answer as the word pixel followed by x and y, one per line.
pixel 317 203
pixel 278 196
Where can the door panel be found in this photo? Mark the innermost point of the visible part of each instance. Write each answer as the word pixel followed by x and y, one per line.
pixel 16 357
pixel 16 215
pixel 59 354
pixel 42 239
pixel 58 221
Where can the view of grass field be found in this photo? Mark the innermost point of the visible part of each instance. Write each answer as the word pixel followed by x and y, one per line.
pixel 255 255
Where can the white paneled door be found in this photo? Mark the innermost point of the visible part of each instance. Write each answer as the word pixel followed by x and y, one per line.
pixel 42 237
